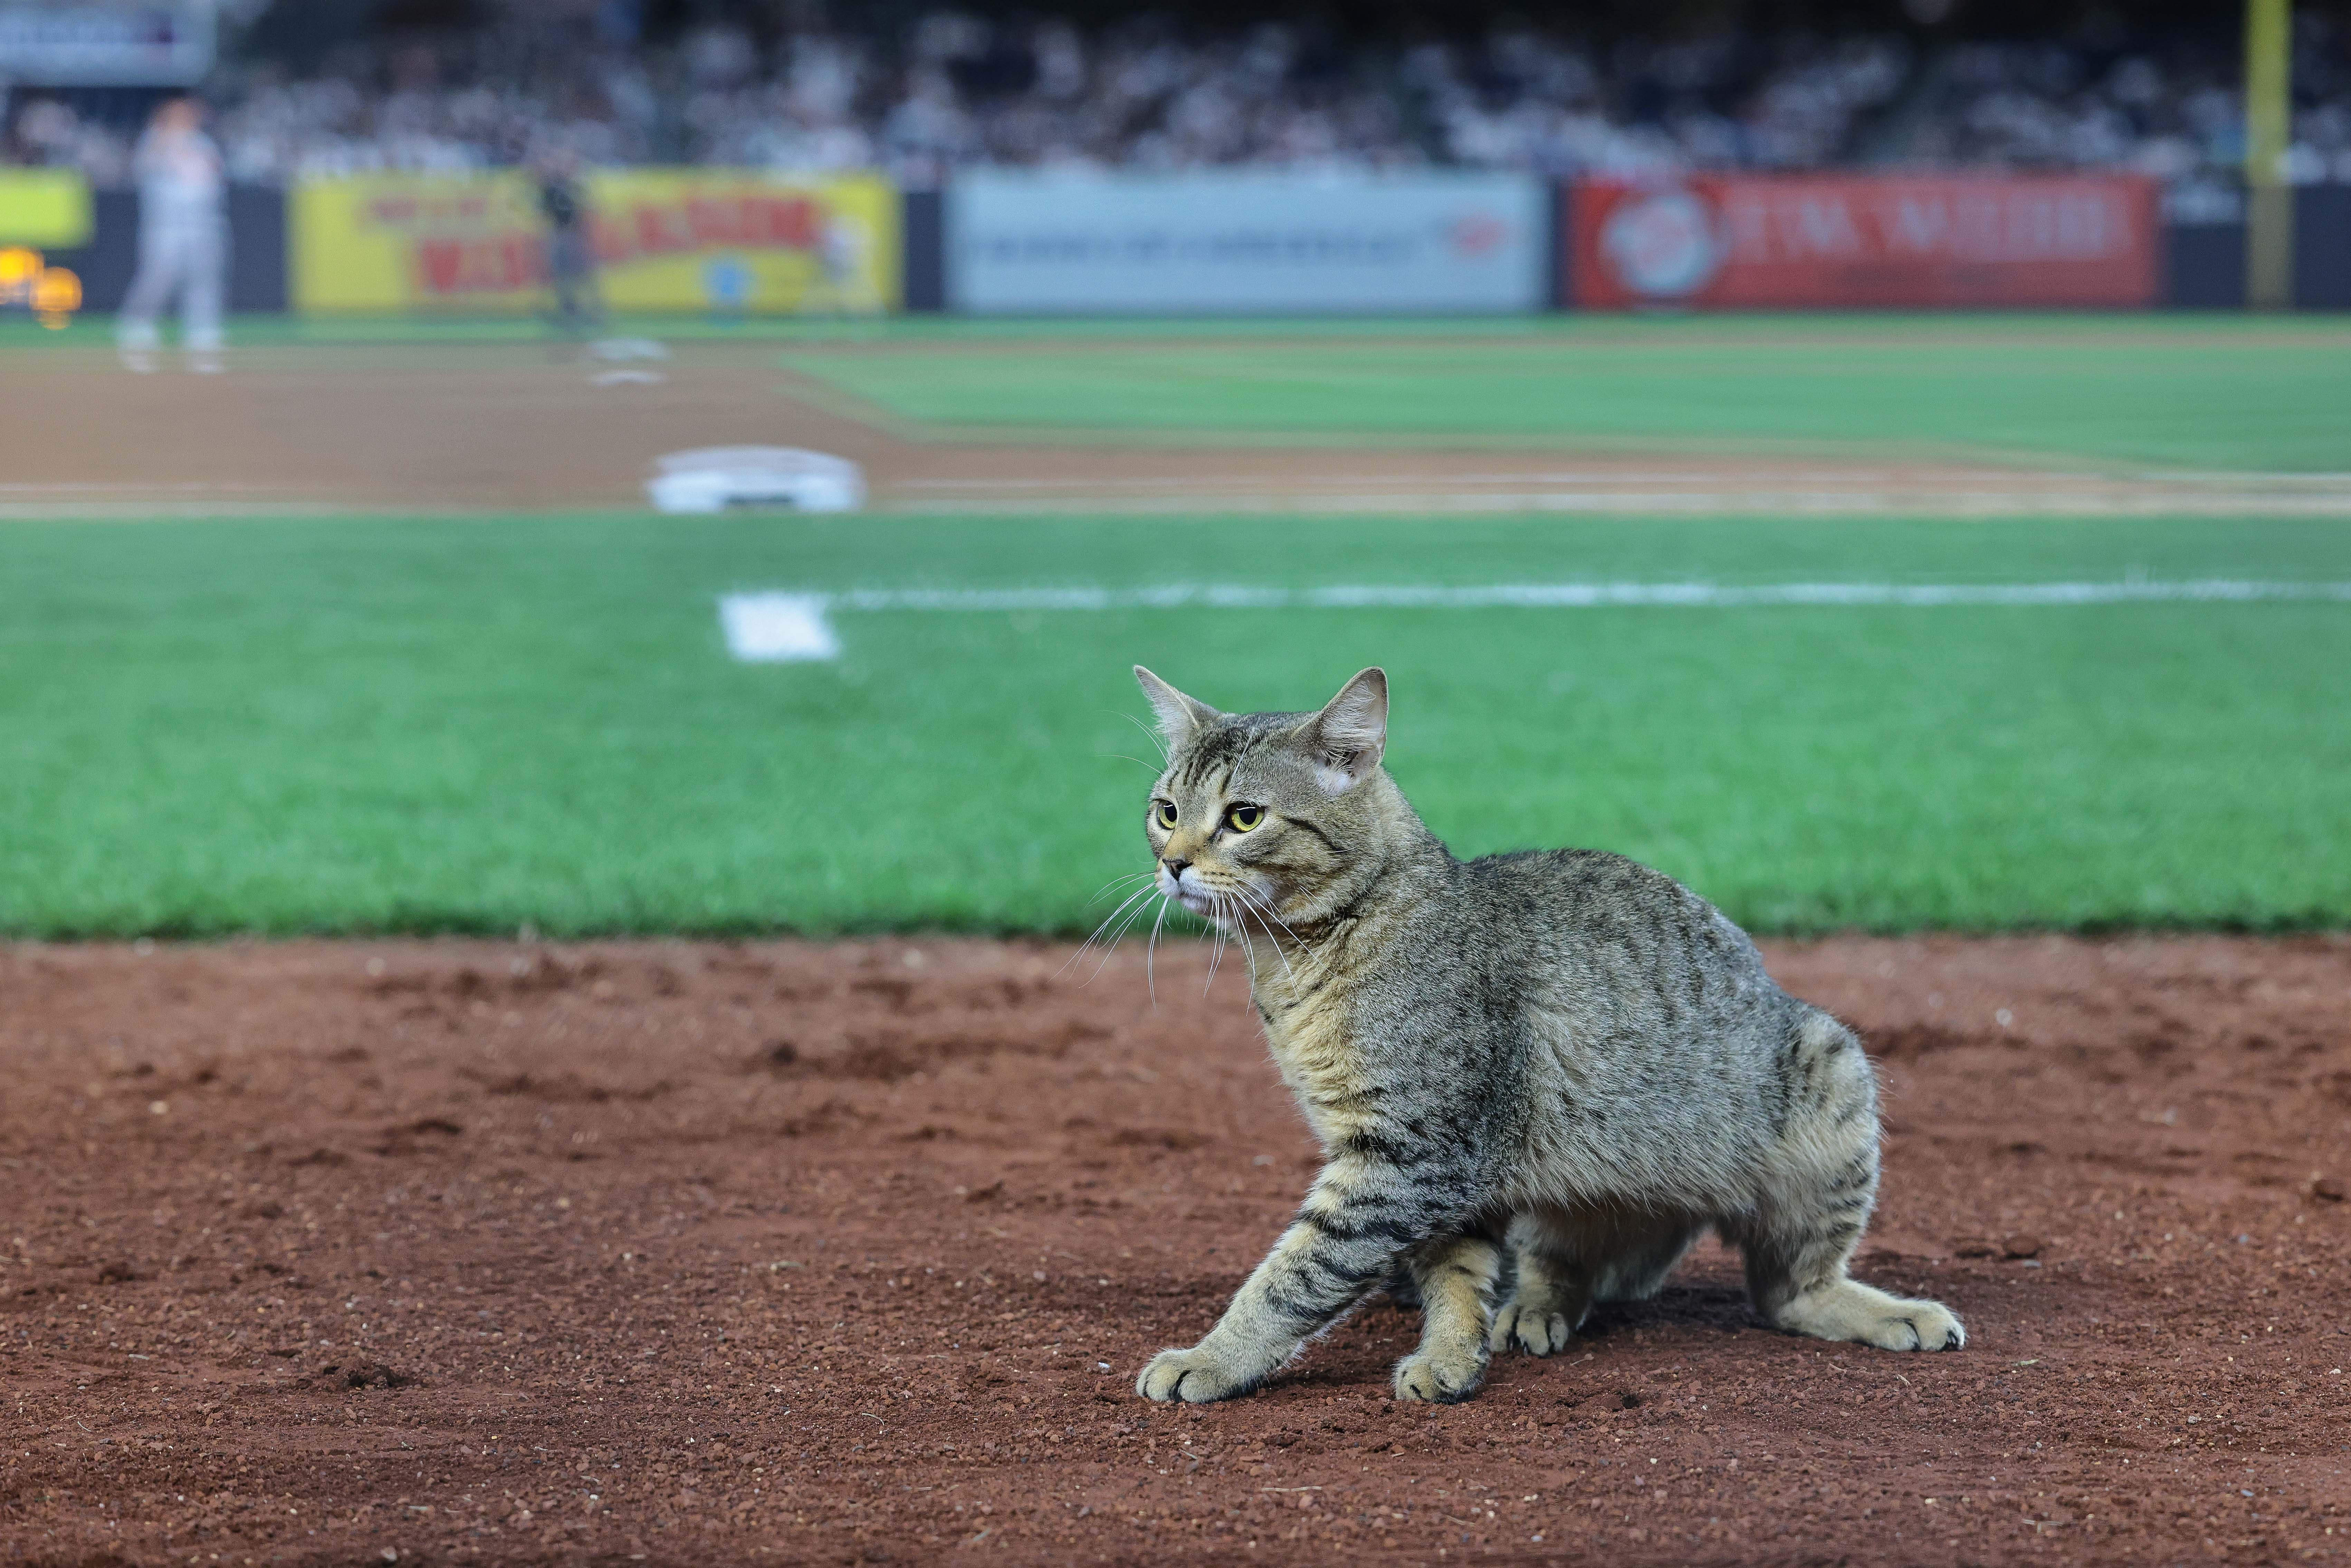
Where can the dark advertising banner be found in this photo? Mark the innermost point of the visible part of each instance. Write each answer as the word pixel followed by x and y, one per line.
pixel 1827 241
pixel 257 249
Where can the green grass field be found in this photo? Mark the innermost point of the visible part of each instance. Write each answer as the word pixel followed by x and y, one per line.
pixel 2113 391
pixel 2108 390
pixel 339 726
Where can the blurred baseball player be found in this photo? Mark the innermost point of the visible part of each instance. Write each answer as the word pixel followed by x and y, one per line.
pixel 571 255
pixel 182 240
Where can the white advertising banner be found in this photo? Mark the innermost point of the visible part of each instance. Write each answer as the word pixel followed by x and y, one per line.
pixel 1028 243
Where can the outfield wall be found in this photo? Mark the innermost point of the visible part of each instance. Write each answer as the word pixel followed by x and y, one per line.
pixel 752 242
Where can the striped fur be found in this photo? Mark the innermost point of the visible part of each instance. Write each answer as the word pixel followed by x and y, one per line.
pixel 1537 1078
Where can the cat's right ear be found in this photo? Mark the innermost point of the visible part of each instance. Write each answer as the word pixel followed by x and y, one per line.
pixel 1179 716
pixel 1348 738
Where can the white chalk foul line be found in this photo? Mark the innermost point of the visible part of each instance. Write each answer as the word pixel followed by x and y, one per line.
pixel 767 628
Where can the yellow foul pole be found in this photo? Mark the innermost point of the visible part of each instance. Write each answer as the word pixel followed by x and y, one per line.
pixel 2269 128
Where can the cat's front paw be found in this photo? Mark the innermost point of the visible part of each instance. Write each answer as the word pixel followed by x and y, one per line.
pixel 1439 1378
pixel 1194 1376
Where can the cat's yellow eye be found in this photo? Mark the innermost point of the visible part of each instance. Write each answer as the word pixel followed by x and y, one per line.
pixel 1241 819
pixel 1165 812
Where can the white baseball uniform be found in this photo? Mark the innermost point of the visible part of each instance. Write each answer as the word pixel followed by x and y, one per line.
pixel 183 240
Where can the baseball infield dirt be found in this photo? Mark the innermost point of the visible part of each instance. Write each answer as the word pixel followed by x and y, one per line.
pixel 673 1253
pixel 455 427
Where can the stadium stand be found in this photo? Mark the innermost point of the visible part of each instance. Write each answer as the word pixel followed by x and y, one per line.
pixel 956 90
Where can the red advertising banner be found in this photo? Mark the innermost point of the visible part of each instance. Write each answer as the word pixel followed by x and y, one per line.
pixel 1759 241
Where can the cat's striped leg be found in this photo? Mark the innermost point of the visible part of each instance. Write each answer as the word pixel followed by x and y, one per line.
pixel 1361 1218
pixel 1458 1280
pixel 1821 1183
pixel 1550 1295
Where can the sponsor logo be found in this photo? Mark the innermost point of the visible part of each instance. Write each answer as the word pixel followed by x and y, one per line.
pixel 727 283
pixel 1478 235
pixel 1665 245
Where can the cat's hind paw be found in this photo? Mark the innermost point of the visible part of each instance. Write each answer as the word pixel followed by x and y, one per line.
pixel 1851 1311
pixel 1536 1330
pixel 1932 1325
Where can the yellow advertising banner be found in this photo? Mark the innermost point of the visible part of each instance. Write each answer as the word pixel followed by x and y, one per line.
pixel 665 239
pixel 46 207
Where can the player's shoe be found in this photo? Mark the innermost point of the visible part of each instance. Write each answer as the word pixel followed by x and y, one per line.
pixel 137 343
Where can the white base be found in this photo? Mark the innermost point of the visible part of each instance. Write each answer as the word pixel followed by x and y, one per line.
pixel 713 479
pixel 628 349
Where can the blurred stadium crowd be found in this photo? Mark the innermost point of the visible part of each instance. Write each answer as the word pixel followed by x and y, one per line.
pixel 954 90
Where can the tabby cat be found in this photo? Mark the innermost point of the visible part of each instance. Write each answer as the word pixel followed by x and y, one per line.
pixel 1537 1077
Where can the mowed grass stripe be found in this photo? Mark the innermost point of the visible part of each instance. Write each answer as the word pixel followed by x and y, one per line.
pixel 2177 398
pixel 271 727
pixel 784 626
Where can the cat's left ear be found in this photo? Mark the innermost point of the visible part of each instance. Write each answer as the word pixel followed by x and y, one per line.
pixel 1347 739
pixel 1179 716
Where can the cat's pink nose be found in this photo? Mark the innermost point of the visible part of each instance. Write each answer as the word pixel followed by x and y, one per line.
pixel 1175 867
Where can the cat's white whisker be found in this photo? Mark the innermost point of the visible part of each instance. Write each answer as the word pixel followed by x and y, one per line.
pixel 1083 948
pixel 1263 899
pixel 1131 876
pixel 1134 910
pixel 1127 925
pixel 1264 916
pixel 1158 741
pixel 1114 915
pixel 1216 918
pixel 1151 949
pixel 1248 942
pixel 1116 936
pixel 1275 944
